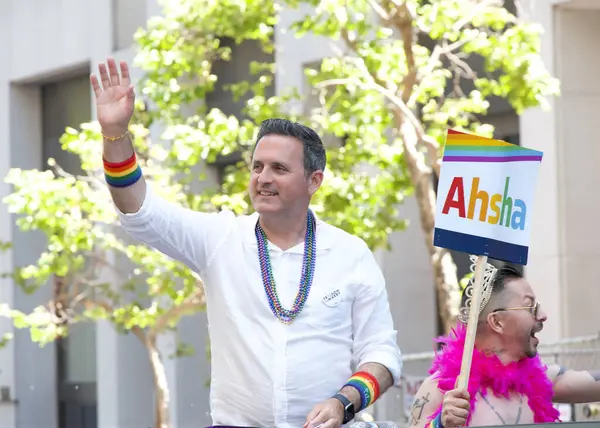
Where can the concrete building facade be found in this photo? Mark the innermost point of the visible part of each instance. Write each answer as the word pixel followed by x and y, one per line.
pixel 99 378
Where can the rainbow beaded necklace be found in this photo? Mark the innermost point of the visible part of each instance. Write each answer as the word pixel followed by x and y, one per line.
pixel 308 269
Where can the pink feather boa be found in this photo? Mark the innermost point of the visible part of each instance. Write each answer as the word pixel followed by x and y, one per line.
pixel 527 377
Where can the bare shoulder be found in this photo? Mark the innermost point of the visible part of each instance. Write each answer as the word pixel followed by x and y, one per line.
pixel 427 400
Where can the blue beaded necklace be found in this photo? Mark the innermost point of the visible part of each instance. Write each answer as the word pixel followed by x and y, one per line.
pixel 308 269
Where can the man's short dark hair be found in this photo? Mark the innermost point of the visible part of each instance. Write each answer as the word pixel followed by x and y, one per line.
pixel 315 157
pixel 501 277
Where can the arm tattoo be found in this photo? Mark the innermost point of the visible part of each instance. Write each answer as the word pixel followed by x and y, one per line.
pixel 561 371
pixel 417 409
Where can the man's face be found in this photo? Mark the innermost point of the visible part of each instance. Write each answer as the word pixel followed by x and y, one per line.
pixel 521 322
pixel 278 183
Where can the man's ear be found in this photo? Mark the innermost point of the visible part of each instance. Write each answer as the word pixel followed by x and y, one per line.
pixel 495 322
pixel 316 178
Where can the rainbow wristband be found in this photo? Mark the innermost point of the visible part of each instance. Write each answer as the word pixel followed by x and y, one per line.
pixel 122 174
pixel 367 386
pixel 436 422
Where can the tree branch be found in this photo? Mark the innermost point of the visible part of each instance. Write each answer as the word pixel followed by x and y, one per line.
pixel 462 68
pixel 428 141
pixel 403 22
pixel 448 51
pixel 60 172
pixel 189 305
pixel 137 331
pixel 379 11
pixel 474 11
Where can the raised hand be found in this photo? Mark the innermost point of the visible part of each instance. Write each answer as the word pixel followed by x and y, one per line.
pixel 115 99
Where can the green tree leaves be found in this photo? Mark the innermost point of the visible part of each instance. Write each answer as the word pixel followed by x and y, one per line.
pixel 96 273
pixel 406 73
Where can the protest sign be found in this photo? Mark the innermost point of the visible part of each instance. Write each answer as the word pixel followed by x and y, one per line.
pixel 485 195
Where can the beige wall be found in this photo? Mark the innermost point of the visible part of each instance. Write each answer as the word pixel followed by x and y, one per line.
pixel 577 113
pixel 562 252
pixel 538 131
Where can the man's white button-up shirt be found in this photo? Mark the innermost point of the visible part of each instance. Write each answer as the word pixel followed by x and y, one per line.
pixel 266 373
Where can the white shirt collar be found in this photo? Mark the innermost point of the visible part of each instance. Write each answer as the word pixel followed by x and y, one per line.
pixel 324 239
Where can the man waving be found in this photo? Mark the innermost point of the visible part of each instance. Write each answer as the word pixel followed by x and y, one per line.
pixel 300 325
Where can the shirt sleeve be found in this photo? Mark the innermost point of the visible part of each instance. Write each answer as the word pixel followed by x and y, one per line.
pixel 375 339
pixel 189 236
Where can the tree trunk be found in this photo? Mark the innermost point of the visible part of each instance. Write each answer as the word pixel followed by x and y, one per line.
pixel 444 268
pixel 161 388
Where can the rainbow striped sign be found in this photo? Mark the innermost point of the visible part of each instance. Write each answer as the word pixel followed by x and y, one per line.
pixel 485 195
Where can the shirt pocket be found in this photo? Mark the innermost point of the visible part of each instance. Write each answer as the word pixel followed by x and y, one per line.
pixel 329 309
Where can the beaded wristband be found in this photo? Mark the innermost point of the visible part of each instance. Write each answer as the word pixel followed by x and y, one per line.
pixel 367 386
pixel 122 174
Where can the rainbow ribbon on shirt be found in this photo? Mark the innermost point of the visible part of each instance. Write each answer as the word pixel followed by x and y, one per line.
pixel 122 174
pixel 368 387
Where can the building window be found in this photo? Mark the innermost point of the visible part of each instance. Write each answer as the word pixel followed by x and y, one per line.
pixel 64 103
pixel 236 70
pixel 230 72
pixel 67 103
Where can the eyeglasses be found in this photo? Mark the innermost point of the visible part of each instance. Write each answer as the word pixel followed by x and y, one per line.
pixel 534 310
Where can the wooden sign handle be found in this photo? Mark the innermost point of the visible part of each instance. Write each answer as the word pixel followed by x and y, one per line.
pixel 465 367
